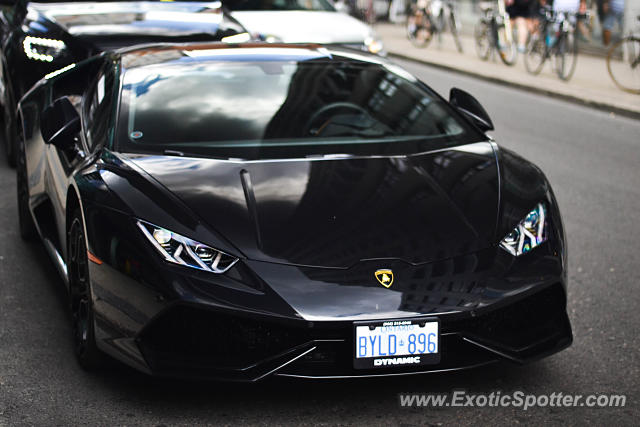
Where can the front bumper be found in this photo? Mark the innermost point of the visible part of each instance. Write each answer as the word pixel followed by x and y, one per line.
pixel 186 340
pixel 263 319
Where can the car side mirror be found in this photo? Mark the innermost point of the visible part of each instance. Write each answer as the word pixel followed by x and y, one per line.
pixel 471 108
pixel 60 123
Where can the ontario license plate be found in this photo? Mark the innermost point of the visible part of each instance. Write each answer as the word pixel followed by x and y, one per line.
pixel 396 343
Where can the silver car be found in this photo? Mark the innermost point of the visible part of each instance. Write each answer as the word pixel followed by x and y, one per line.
pixel 303 21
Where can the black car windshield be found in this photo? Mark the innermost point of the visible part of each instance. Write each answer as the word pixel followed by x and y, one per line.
pixel 287 108
pixel 322 5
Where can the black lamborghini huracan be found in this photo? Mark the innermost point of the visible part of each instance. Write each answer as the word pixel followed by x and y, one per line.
pixel 235 212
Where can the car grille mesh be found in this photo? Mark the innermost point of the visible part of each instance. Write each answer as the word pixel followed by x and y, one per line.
pixel 186 336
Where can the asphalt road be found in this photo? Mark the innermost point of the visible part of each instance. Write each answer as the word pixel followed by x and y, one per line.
pixel 593 161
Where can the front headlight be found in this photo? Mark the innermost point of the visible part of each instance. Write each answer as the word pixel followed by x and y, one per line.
pixel 529 233
pixel 373 44
pixel 181 250
pixel 41 49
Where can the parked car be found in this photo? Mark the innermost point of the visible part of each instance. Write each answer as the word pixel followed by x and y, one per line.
pixel 40 38
pixel 236 212
pixel 300 21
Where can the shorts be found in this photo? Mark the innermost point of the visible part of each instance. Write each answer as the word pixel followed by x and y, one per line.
pixel 519 10
pixel 610 20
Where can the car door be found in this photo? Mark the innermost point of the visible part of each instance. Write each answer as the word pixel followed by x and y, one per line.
pixel 90 92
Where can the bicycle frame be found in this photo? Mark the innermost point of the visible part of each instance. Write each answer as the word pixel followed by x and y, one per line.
pixel 502 13
pixel 565 27
pixel 495 18
pixel 634 35
pixel 636 62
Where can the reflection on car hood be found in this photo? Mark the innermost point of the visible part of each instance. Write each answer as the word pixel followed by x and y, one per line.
pixel 304 26
pixel 337 212
pixel 144 18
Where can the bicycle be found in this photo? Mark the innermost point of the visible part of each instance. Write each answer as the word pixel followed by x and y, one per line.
pixel 623 63
pixel 555 40
pixel 420 24
pixel 494 33
pixel 429 18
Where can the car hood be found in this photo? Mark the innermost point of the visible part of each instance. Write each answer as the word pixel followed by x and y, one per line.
pixel 113 19
pixel 338 212
pixel 304 26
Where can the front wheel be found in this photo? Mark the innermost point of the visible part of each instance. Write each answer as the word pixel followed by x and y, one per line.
pixel 86 350
pixel 623 64
pixel 536 54
pixel 507 50
pixel 566 56
pixel 482 37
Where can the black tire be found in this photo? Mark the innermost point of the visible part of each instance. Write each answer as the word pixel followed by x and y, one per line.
pixel 82 317
pixel 9 122
pixel 536 54
pixel 566 56
pixel 421 32
pixel 453 25
pixel 28 230
pixel 506 45
pixel 483 41
pixel 623 64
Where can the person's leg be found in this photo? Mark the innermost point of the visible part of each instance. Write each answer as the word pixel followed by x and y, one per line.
pixel 531 25
pixel 607 25
pixel 521 25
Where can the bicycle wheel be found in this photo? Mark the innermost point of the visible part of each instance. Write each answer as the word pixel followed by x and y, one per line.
pixel 419 31
pixel 566 55
pixel 506 45
pixel 623 64
pixel 482 37
pixel 536 54
pixel 453 25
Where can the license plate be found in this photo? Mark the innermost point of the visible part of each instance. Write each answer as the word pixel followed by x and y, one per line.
pixel 396 343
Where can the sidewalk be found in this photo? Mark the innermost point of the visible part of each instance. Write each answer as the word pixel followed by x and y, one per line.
pixel 590 85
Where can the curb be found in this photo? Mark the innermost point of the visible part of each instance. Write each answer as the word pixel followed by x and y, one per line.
pixel 602 106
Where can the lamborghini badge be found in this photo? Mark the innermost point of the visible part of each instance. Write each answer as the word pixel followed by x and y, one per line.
pixel 385 277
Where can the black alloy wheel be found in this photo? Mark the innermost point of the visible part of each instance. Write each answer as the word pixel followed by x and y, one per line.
pixel 87 353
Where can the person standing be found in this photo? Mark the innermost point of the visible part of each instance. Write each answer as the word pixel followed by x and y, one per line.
pixel 520 12
pixel 574 6
pixel 570 6
pixel 613 14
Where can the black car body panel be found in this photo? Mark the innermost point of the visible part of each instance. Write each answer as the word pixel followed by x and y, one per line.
pixel 309 233
pixel 424 207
